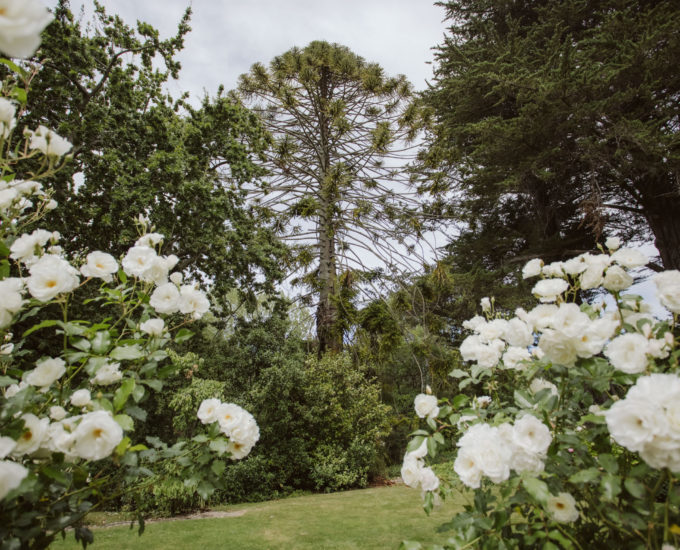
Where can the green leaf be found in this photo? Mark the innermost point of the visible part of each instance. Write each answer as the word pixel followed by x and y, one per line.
pixel 183 335
pixel 219 446
pixel 218 467
pixel 43 324
pixel 127 352
pixel 56 475
pixel 414 443
pixel 155 385
pixel 611 487
pixel 6 381
pixel 585 476
pixel 122 393
pixel 459 401
pixel 125 422
pixel 635 487
pixel 457 373
pixel 83 344
pixel 101 342
pixel 13 67
pixel 138 393
pixel 609 463
pixel 205 489
pixel 536 488
pixel 431 447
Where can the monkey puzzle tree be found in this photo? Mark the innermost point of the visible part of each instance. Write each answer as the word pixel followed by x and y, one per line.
pixel 341 130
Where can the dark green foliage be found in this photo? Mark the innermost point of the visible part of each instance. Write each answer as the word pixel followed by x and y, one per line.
pixel 136 151
pixel 555 122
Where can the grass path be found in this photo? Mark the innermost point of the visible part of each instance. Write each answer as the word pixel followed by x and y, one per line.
pixel 376 518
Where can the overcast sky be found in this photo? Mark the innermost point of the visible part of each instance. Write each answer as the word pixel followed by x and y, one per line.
pixel 228 36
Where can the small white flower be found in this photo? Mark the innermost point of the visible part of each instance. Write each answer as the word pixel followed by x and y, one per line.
pixel 229 416
pixel 426 405
pixel 192 301
pixel 629 258
pixel 547 290
pixel 628 353
pixel 532 268
pixel 668 289
pixel 46 372
pixel 35 430
pixel 514 357
pixel 562 508
pixel 7 445
pixel 50 276
pixel 108 373
pixel 100 265
pixel 153 327
pixel 11 476
pixel 485 303
pixel 150 240
pixel 57 412
pixel 138 260
pixel 96 436
pixel 207 411
pixel 48 142
pixel 613 243
pixel 176 278
pixel 616 279
pixel 81 398
pixel 165 298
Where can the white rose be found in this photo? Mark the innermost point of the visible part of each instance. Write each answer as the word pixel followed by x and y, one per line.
pixel 547 290
pixel 138 260
pixel 10 294
pixel 541 316
pixel 48 142
pixel 165 298
pixel 627 353
pixel 24 248
pixel 192 301
pixel 207 411
pixel 575 266
pixel 531 435
pixel 514 356
pixel 153 327
pixel 46 372
pixel 35 430
pixel 96 436
pixel 81 398
pixel 428 479
pixel 468 468
pixel 57 412
pixel 616 279
pixel 51 275
pixel 7 112
pixel 488 355
pixel 11 473
pixel 532 268
pixel 668 289
pixel 492 330
pixel 420 452
pixel 108 373
pixel 7 445
pixel 150 240
pixel 410 471
pixel 229 416
pixel 7 197
pixel 613 243
pixel 100 265
pixel 177 278
pixel 21 22
pixel 629 258
pixel 633 423
pixel 485 304
pixel 426 405
pixel 570 321
pixel 557 347
pixel 562 508
pixel 555 269
pixel 517 333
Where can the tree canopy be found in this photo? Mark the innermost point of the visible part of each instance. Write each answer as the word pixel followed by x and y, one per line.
pixel 556 122
pixel 138 151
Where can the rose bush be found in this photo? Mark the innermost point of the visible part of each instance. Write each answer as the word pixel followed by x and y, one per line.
pixel 577 444
pixel 73 390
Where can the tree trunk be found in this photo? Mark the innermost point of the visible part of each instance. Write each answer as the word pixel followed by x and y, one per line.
pixel 330 339
pixel 661 204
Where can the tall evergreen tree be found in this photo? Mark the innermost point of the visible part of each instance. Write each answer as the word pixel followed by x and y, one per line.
pixel 339 129
pixel 556 122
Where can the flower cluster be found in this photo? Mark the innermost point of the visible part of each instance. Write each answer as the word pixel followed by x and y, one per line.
pixel 415 474
pixel 493 451
pixel 647 421
pixel 234 422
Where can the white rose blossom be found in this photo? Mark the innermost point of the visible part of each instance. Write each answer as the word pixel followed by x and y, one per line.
pixel 11 476
pixel 21 22
pixel 81 398
pixel 100 265
pixel 548 290
pixel 207 411
pixel 613 243
pixel 96 436
pixel 153 327
pixel 48 142
pixel 532 268
pixel 193 301
pixel 629 258
pixel 426 405
pixel 108 373
pixel 35 430
pixel 562 508
pixel 628 353
pixel 668 289
pixel 51 276
pixel 46 372
pixel 165 298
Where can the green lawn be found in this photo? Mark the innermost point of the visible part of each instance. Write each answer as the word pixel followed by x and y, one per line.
pixel 378 518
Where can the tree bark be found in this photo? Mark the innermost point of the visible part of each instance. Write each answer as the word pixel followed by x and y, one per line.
pixel 661 205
